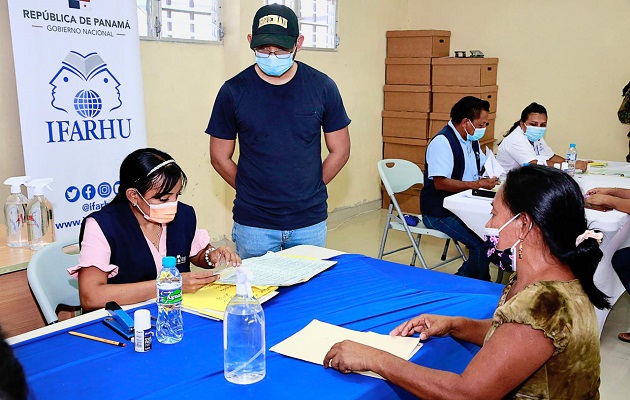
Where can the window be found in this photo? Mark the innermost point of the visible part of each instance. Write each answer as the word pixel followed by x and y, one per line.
pixel 196 20
pixel 318 21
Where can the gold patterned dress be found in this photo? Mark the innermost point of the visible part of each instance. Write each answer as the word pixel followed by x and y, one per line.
pixel 565 314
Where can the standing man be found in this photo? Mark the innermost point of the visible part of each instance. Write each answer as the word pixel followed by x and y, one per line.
pixel 278 108
pixel 454 164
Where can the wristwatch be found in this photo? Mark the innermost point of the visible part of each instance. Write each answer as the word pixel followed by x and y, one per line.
pixel 206 256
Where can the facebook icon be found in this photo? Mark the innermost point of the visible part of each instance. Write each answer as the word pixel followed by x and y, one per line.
pixel 88 192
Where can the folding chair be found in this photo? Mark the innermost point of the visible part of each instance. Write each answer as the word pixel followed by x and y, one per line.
pixel 399 177
pixel 49 280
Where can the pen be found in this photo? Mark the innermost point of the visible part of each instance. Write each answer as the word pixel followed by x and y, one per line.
pixel 98 339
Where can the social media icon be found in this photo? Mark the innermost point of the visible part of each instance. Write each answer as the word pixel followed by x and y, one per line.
pixel 88 192
pixel 104 189
pixel 72 194
pixel 116 185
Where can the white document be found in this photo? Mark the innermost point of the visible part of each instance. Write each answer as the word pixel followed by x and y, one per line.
pixel 492 166
pixel 273 269
pixel 315 339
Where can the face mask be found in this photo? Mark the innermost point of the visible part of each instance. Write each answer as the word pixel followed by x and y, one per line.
pixel 159 213
pixel 477 134
pixel 504 259
pixel 274 66
pixel 535 133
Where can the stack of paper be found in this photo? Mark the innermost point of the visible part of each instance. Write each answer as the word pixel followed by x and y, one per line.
pixel 315 339
pixel 492 166
pixel 276 270
pixel 211 301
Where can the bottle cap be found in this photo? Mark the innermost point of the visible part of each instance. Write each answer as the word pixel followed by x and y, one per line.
pixel 244 282
pixel 38 185
pixel 142 320
pixel 572 145
pixel 168 261
pixel 16 182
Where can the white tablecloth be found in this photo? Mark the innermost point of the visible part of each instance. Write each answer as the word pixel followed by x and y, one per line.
pixel 475 212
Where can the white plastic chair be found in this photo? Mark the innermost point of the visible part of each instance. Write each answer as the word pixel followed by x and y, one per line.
pixel 399 177
pixel 49 280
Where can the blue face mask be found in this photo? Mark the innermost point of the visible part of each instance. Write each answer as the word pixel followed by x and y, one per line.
pixel 274 66
pixel 534 133
pixel 477 134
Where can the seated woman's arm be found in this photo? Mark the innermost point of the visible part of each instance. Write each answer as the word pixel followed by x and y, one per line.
pixel 511 355
pixel 95 292
pixel 427 325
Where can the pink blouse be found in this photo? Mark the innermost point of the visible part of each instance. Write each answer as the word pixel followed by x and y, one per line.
pixel 95 250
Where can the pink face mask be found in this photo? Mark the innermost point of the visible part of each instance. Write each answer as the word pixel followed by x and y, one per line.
pixel 160 213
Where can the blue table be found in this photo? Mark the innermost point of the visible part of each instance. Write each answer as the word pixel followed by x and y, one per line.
pixel 359 293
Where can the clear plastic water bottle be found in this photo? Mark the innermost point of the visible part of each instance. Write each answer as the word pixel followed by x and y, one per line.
pixel 244 357
pixel 571 159
pixel 170 326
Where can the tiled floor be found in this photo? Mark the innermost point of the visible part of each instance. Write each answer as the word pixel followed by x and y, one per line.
pixel 359 230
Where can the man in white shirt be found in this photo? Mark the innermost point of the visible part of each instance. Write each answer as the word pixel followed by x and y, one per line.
pixel 454 164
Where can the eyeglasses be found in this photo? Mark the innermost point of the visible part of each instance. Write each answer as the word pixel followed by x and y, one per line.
pixel 281 54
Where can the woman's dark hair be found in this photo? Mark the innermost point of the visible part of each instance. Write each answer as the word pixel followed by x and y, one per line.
pixel 139 171
pixel 468 107
pixel 555 204
pixel 533 108
pixel 13 384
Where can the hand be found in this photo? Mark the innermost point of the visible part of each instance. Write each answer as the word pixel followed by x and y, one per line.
pixel 581 164
pixel 488 183
pixel 608 191
pixel 193 281
pixel 598 201
pixel 349 356
pixel 223 255
pixel 426 324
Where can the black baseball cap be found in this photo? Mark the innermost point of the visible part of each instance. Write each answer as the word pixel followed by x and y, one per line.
pixel 275 24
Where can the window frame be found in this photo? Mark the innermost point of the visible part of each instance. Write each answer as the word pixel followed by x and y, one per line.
pixel 297 4
pixel 155 21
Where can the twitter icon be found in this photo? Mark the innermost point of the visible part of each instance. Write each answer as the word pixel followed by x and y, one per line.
pixel 72 194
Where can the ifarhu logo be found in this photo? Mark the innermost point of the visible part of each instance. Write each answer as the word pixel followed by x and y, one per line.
pixel 85 84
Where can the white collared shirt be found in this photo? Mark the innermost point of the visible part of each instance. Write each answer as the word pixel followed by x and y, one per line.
pixel 516 149
pixel 440 157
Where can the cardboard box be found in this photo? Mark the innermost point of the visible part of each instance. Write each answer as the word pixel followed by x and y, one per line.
pixel 407 98
pixel 452 71
pixel 408 71
pixel 444 97
pixel 407 149
pixel 409 200
pixel 437 121
pixel 418 43
pixel 406 124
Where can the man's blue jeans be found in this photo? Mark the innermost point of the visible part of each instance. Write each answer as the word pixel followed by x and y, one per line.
pixel 254 242
pixel 477 266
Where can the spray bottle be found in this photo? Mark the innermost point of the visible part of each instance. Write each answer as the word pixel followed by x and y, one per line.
pixel 39 215
pixel 14 212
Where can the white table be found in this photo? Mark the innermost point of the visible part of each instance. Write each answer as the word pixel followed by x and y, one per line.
pixel 475 212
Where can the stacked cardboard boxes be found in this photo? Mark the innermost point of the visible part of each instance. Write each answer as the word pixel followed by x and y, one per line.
pixel 407 100
pixel 454 78
pixel 421 85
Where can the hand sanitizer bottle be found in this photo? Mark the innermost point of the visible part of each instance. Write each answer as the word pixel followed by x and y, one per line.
pixel 39 215
pixel 244 357
pixel 15 213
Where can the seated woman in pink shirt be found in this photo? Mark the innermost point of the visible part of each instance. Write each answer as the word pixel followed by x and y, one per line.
pixel 122 244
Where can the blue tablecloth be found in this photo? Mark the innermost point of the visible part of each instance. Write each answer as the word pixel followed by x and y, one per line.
pixel 359 293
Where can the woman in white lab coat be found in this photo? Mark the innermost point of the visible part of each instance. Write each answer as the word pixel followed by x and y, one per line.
pixel 524 142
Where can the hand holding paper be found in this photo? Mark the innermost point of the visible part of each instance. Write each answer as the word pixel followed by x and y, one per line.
pixel 492 166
